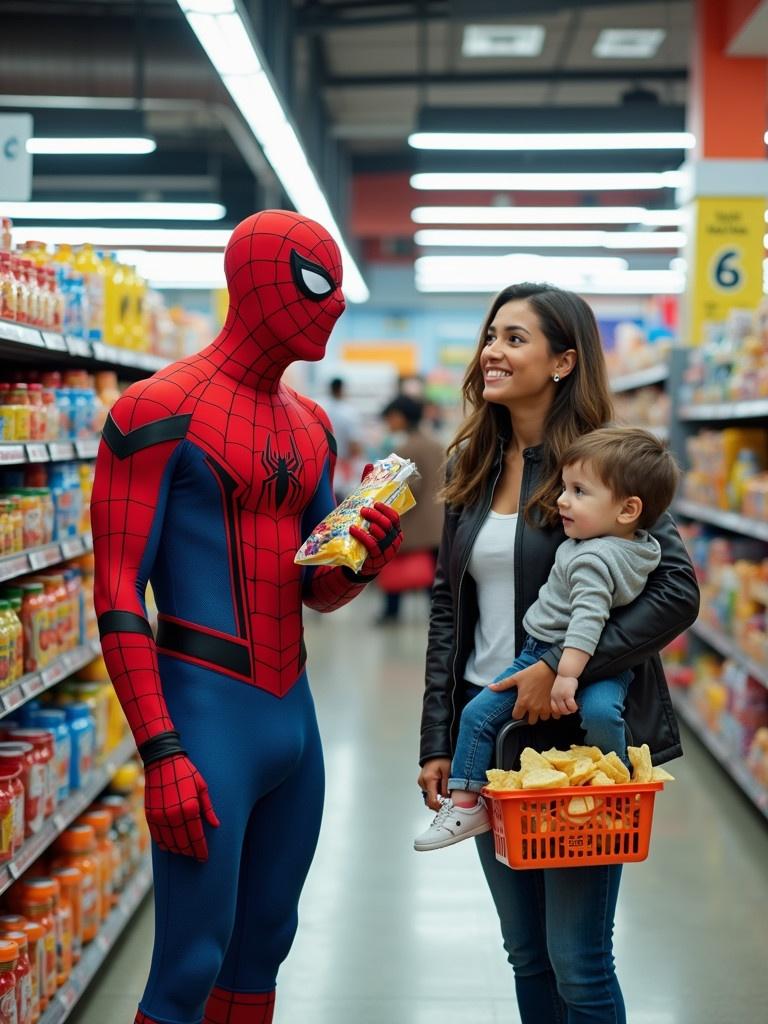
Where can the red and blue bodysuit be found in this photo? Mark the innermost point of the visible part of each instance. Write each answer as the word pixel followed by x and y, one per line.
pixel 210 475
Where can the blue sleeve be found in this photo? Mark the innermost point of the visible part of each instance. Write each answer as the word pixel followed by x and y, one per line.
pixel 321 504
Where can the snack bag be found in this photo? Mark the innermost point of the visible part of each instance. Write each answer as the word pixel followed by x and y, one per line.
pixel 330 542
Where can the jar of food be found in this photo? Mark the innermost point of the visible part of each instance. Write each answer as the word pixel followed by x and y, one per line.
pixel 23 977
pixel 126 832
pixel 54 720
pixel 9 955
pixel 37 414
pixel 16 521
pixel 101 822
pixel 34 899
pixel 7 657
pixel 34 617
pixel 11 776
pixel 32 511
pixel 62 919
pixel 76 848
pixel 28 813
pixel 71 884
pixel 7 799
pixel 42 744
pixel 36 946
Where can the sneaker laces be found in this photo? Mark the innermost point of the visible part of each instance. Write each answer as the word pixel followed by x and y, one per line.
pixel 446 809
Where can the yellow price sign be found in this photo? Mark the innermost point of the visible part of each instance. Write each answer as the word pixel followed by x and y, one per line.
pixel 727 265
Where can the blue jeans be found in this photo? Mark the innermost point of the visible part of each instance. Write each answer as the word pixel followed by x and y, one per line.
pixel 601 708
pixel 557 927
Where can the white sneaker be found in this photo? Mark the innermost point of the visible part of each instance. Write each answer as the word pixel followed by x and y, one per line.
pixel 452 824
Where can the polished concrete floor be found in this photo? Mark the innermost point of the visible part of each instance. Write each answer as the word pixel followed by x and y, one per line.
pixel 388 936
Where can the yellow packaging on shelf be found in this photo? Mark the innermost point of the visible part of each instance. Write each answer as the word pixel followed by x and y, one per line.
pixel 330 543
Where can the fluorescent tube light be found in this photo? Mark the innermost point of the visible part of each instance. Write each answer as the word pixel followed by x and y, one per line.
pixel 116 238
pixel 488 274
pixel 560 182
pixel 546 215
pixel 502 40
pixel 113 211
pixel 635 43
pixel 91 147
pixel 556 141
pixel 552 239
pixel 225 37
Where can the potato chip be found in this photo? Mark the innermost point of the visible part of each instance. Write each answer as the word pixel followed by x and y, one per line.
pixel 601 779
pixel 582 771
pixel 544 778
pixel 661 775
pixel 501 780
pixel 581 805
pixel 614 768
pixel 640 758
pixel 531 759
pixel 593 753
pixel 560 759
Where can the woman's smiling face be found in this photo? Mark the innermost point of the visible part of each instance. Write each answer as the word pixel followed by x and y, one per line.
pixel 516 360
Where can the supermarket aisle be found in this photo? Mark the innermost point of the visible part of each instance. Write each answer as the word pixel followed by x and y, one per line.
pixel 391 937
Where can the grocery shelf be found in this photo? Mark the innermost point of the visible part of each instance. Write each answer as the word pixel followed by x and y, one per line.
pixel 730 761
pixel 745 410
pixel 21 452
pixel 96 952
pixel 36 344
pixel 34 559
pixel 639 379
pixel 727 520
pixel 728 647
pixel 65 814
pixel 34 683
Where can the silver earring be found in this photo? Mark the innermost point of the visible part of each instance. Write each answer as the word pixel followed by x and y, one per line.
pixel 556 378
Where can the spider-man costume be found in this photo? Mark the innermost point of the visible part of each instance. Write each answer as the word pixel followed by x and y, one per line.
pixel 209 477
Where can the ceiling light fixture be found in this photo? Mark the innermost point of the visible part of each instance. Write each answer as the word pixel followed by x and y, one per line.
pixel 552 239
pixel 91 147
pixel 553 141
pixel 546 215
pixel 114 211
pixel 596 276
pixel 560 182
pixel 503 40
pixel 622 43
pixel 120 237
pixel 186 269
pixel 223 33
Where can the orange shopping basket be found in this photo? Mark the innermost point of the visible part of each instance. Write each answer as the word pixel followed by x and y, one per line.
pixel 573 827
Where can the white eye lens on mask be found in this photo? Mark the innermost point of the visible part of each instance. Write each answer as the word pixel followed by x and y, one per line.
pixel 315 283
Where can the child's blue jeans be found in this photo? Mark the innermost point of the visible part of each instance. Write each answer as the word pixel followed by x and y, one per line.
pixel 601 708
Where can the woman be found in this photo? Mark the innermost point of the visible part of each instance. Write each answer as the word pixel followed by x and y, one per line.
pixel 538 380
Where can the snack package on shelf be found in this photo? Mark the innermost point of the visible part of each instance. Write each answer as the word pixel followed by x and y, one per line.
pixel 732 364
pixel 728 470
pixel 330 543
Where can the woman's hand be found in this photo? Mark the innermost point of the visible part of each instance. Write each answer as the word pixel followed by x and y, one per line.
pixel 534 692
pixel 433 779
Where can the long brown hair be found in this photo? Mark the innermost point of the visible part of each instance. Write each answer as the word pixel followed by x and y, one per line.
pixel 582 401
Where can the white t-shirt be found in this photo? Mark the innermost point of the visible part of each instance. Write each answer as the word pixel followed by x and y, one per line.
pixel 345 421
pixel 492 565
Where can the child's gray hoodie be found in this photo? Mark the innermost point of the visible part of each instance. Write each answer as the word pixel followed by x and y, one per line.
pixel 589 578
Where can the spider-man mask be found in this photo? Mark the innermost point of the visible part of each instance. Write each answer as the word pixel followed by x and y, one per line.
pixel 284 278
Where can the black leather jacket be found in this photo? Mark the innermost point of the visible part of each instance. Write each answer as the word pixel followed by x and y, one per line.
pixel 631 639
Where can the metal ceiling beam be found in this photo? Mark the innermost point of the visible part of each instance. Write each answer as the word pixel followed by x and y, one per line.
pixel 543 76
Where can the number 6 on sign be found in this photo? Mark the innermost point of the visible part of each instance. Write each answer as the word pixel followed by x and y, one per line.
pixel 726 273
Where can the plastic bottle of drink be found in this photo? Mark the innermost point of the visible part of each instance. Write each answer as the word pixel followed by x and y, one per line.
pixel 94 277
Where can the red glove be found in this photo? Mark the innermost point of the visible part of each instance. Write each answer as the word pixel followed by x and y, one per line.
pixel 382 539
pixel 176 801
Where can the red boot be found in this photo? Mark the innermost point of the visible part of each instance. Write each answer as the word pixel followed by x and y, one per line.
pixel 224 1007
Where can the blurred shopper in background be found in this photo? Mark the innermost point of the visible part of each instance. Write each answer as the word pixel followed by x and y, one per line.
pixel 537 382
pixel 414 567
pixel 347 430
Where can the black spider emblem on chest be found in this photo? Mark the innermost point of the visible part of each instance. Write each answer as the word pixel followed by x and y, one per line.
pixel 283 474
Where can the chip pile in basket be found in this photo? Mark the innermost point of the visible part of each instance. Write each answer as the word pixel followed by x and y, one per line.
pixel 330 543
pixel 580 766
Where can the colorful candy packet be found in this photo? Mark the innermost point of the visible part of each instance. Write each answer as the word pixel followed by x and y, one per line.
pixel 330 542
